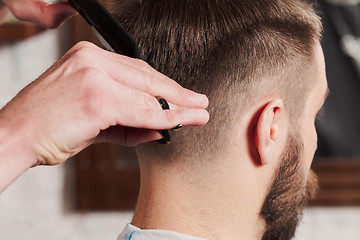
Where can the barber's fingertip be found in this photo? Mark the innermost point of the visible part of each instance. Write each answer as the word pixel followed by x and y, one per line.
pixel 194 117
pixel 201 99
pixel 204 116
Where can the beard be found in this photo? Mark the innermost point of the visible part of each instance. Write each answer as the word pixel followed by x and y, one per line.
pixel 283 206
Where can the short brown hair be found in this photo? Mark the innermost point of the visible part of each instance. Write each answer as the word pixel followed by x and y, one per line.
pixel 231 50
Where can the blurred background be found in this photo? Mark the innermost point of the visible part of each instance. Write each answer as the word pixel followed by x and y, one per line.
pixel 92 196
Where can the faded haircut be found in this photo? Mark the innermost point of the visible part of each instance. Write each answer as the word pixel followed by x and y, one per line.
pixel 234 51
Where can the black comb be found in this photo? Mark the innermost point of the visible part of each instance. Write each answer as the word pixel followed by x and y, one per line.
pixel 106 27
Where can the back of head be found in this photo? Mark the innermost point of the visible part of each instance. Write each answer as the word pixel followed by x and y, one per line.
pixel 234 51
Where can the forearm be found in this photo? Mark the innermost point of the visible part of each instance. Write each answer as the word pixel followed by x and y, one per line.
pixel 14 158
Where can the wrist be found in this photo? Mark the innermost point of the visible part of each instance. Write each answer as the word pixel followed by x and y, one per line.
pixel 13 144
pixel 15 158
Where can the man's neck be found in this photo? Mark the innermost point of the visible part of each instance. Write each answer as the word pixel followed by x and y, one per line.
pixel 210 209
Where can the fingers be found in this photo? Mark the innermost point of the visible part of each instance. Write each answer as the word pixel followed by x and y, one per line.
pixel 110 103
pixel 39 12
pixel 141 76
pixel 113 103
pixel 133 108
pixel 136 74
pixel 168 119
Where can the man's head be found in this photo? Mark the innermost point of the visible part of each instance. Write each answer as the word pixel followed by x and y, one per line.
pixel 294 182
pixel 261 66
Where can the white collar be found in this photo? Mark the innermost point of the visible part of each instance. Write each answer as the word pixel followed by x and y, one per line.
pixel 134 233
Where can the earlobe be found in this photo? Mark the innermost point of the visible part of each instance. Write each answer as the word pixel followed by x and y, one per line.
pixel 270 131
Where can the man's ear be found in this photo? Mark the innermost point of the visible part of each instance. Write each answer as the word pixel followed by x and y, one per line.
pixel 271 131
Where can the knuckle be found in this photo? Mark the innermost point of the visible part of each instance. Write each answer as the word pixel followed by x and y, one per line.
pixel 82 44
pixel 82 57
pixel 147 81
pixel 169 116
pixel 91 73
pixel 87 80
pixel 89 89
pixel 141 64
pixel 83 53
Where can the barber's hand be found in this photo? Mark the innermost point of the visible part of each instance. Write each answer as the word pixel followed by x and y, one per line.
pixel 44 14
pixel 93 95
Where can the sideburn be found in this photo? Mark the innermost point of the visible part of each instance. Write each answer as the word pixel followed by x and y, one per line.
pixel 288 195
